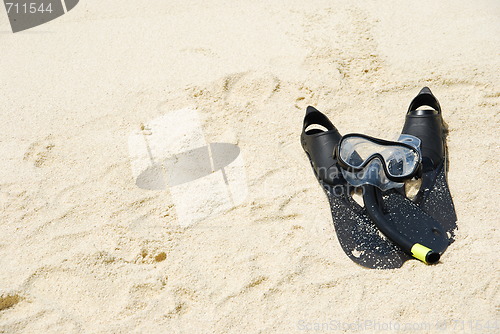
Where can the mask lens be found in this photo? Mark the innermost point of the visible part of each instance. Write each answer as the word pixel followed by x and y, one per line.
pixel 401 161
pixel 360 154
pixel 354 151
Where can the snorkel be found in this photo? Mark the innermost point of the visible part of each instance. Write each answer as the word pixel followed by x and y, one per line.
pixel 374 210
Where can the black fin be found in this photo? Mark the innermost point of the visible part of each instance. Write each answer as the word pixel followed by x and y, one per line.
pixel 434 196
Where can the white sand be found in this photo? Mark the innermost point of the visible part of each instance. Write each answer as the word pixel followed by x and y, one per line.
pixel 83 249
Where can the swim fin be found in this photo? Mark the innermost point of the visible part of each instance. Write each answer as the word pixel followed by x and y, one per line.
pixel 433 198
pixel 434 195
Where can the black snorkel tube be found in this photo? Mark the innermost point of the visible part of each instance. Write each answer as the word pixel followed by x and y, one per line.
pixel 373 205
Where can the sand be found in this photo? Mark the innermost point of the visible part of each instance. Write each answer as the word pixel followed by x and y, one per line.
pixel 85 248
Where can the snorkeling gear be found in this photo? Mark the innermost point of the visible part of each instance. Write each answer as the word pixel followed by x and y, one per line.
pixel 390 227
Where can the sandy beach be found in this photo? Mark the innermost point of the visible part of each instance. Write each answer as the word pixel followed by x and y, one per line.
pixel 113 221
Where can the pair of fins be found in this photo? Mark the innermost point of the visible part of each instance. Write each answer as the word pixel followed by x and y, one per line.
pixel 390 228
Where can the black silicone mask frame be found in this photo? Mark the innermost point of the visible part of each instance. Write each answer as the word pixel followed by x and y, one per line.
pixel 343 164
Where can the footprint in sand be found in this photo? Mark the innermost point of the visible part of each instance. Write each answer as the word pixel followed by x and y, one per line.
pixel 40 152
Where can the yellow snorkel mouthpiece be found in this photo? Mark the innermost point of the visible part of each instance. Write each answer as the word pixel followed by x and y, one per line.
pixel 424 254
